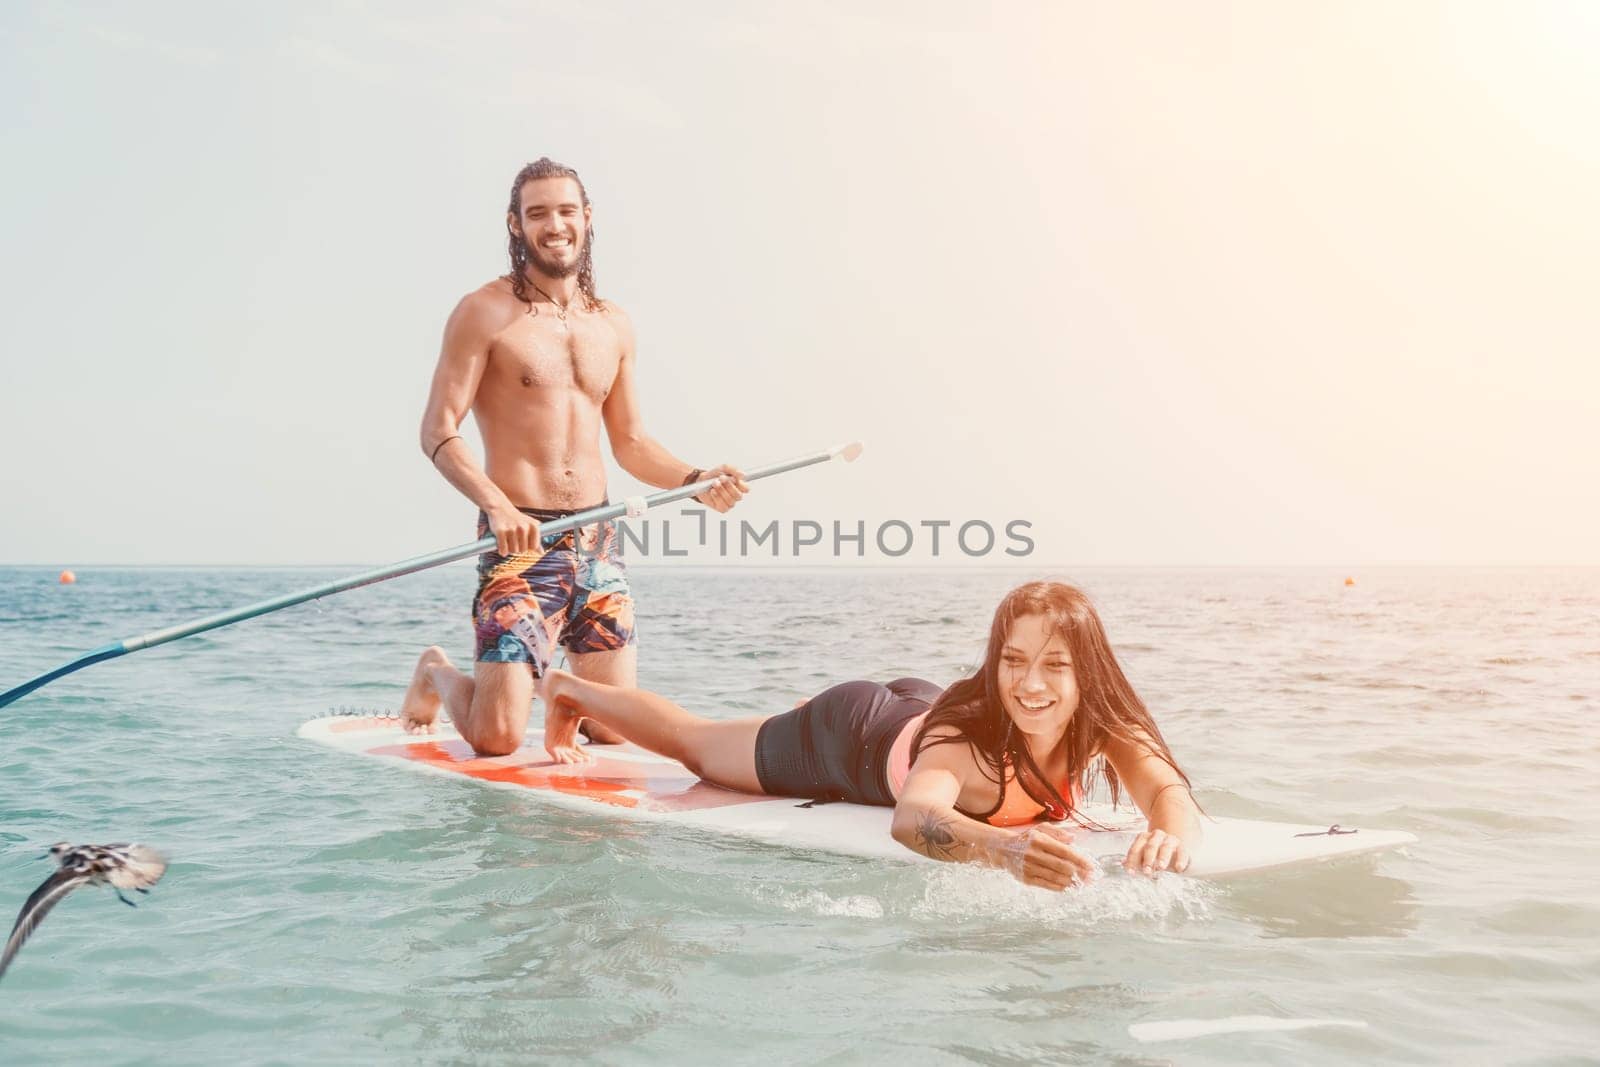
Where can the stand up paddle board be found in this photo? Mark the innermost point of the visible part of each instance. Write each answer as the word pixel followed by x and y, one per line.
pixel 628 781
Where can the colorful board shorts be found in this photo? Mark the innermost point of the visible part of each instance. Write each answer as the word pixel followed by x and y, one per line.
pixel 573 593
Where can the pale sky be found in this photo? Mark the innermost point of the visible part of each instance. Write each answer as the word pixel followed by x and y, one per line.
pixel 1225 283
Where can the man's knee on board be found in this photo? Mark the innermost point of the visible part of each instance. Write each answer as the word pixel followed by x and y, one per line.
pixel 497 726
pixel 496 743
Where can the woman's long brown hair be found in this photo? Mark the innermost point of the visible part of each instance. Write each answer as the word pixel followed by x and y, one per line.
pixel 1108 708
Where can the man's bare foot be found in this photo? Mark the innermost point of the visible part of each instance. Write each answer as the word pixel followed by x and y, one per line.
pixel 561 717
pixel 420 707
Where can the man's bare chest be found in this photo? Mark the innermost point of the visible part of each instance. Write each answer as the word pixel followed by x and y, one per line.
pixel 536 355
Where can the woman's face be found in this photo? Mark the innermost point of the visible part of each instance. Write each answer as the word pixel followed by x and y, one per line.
pixel 1037 685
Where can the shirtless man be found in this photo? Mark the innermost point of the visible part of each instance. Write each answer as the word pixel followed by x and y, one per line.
pixel 540 361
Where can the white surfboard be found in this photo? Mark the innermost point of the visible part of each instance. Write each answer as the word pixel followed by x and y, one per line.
pixel 629 781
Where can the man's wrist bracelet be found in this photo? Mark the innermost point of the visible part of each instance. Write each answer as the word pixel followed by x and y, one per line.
pixel 694 476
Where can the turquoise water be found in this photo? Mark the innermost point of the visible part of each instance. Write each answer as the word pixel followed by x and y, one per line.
pixel 321 908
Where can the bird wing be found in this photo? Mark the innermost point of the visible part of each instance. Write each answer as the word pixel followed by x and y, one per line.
pixel 36 908
pixel 141 867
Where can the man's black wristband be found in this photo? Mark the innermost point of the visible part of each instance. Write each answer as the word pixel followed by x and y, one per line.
pixel 435 457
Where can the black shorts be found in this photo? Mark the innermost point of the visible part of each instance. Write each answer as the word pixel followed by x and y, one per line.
pixel 836 745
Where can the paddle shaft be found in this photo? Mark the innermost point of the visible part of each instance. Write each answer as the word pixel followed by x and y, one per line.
pixel 548 531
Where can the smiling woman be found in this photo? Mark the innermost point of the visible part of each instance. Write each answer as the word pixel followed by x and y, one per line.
pixel 982 772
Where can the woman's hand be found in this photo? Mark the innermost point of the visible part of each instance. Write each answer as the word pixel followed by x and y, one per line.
pixel 1156 850
pixel 1043 855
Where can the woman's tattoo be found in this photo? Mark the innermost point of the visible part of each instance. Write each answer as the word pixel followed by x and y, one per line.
pixel 934 836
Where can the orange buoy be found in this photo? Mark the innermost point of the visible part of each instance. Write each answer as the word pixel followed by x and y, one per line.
pixel 67 577
pixel 1349 581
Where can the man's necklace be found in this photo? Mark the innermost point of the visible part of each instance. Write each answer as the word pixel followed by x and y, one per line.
pixel 561 309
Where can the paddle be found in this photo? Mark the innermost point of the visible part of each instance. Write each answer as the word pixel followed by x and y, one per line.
pixel 632 506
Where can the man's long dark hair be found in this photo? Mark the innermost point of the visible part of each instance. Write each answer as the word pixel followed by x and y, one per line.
pixel 1107 708
pixel 545 167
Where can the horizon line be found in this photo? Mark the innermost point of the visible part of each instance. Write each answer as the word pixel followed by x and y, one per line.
pixel 849 565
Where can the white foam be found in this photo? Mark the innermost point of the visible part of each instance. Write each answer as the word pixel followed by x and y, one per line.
pixel 1181 1029
pixel 816 902
pixel 958 891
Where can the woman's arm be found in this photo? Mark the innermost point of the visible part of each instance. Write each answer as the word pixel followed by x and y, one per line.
pixel 1174 818
pixel 926 821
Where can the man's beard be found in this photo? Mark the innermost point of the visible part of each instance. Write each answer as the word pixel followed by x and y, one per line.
pixel 550 269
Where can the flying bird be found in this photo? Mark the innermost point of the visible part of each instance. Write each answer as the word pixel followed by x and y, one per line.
pixel 136 867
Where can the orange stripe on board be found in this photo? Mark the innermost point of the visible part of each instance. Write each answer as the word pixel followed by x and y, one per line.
pixel 666 787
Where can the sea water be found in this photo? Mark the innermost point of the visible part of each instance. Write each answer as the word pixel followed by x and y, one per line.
pixel 326 909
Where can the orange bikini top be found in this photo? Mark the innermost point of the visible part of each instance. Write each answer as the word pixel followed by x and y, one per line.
pixel 1014 808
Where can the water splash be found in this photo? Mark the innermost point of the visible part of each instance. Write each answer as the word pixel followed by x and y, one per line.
pixel 967 892
pixel 816 902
